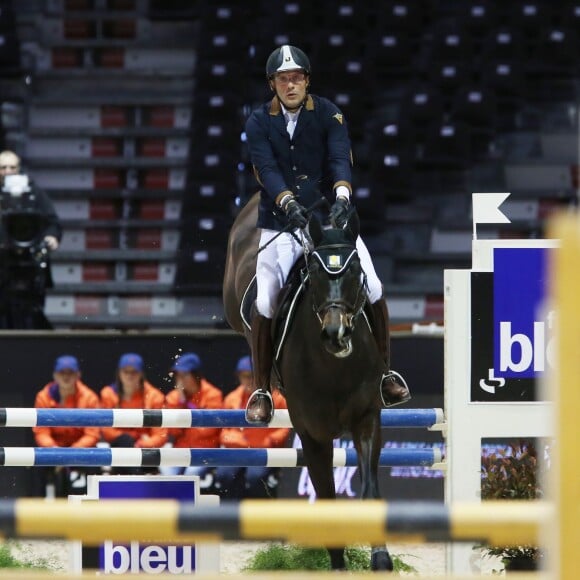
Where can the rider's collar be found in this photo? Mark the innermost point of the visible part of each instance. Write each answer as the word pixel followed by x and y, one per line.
pixel 290 114
pixel 276 105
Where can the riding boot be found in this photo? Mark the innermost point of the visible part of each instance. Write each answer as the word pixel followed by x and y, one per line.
pixel 260 406
pixel 394 389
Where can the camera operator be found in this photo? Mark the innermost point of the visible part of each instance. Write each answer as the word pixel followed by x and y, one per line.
pixel 29 229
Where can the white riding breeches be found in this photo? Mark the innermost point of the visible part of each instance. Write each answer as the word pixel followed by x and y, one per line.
pixel 276 260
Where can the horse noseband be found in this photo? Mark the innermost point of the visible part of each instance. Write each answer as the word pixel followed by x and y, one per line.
pixel 350 311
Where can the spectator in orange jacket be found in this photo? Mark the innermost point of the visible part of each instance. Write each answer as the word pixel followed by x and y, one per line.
pixel 66 390
pixel 244 482
pixel 193 391
pixel 131 390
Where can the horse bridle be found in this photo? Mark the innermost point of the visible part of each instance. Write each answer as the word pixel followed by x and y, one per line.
pixel 350 311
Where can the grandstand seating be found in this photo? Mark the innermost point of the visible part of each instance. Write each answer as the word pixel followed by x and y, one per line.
pixel 145 163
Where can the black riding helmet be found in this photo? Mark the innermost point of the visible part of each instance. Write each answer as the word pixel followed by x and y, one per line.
pixel 286 58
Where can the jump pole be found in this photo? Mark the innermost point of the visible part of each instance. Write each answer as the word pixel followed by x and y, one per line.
pixel 184 457
pixel 564 534
pixel 183 418
pixel 269 575
pixel 330 523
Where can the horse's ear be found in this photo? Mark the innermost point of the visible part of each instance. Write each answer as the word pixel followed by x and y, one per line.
pixel 353 224
pixel 315 230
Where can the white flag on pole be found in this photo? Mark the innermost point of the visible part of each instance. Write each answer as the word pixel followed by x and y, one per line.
pixel 486 209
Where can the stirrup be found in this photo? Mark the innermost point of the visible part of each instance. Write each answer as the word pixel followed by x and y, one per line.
pixel 258 397
pixel 396 378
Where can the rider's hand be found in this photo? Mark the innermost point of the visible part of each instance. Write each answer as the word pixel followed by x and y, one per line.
pixel 296 214
pixel 339 212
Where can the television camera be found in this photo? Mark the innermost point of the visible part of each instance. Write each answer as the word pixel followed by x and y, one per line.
pixel 23 251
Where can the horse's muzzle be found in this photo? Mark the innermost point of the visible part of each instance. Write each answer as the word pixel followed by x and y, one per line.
pixel 336 332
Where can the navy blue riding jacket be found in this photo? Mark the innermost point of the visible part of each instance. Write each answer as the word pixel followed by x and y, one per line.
pixel 313 163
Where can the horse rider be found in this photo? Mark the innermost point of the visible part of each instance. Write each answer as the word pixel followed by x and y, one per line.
pixel 300 150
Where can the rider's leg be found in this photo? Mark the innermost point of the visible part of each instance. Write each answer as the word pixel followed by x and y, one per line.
pixel 394 389
pixel 272 268
pixel 260 406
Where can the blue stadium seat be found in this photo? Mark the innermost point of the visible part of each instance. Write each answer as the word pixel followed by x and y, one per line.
pixel 529 16
pixel 450 43
pixel 503 43
pixel 287 15
pixel 555 53
pixel 449 76
pixel 343 15
pixel 390 54
pixel 446 146
pixel 477 17
pixel 476 107
pixel 402 16
pixel 505 77
pixel 421 105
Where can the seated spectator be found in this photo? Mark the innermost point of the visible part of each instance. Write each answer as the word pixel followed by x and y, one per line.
pixel 193 391
pixel 66 390
pixel 249 482
pixel 131 390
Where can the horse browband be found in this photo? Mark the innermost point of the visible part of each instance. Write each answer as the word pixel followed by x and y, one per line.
pixel 331 247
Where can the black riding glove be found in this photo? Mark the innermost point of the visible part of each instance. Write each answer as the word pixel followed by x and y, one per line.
pixel 296 214
pixel 339 212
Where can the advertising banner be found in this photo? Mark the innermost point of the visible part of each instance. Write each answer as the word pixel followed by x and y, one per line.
pixel 511 333
pixel 147 558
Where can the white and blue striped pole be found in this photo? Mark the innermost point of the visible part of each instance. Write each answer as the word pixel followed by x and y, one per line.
pixel 184 418
pixel 184 457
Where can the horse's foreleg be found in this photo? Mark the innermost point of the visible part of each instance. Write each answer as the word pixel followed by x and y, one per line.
pixel 318 458
pixel 367 441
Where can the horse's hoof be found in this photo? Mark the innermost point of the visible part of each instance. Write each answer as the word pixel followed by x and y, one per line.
pixel 381 559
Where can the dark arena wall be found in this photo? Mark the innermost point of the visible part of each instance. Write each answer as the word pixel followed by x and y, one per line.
pixel 28 358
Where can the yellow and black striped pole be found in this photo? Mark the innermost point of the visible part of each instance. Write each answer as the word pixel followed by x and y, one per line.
pixel 323 523
pixel 566 472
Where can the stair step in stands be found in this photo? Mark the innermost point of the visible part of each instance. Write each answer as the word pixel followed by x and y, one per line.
pixel 107 136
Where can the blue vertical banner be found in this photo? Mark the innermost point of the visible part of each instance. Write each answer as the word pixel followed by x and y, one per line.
pixel 519 288
pixel 511 334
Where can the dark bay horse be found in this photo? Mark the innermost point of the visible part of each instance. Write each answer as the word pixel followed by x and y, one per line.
pixel 329 366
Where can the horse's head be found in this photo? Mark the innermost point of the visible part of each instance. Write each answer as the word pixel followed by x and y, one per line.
pixel 337 283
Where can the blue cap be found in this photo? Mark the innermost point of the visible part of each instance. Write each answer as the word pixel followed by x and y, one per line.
pixel 187 363
pixel 66 363
pixel 131 359
pixel 244 365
